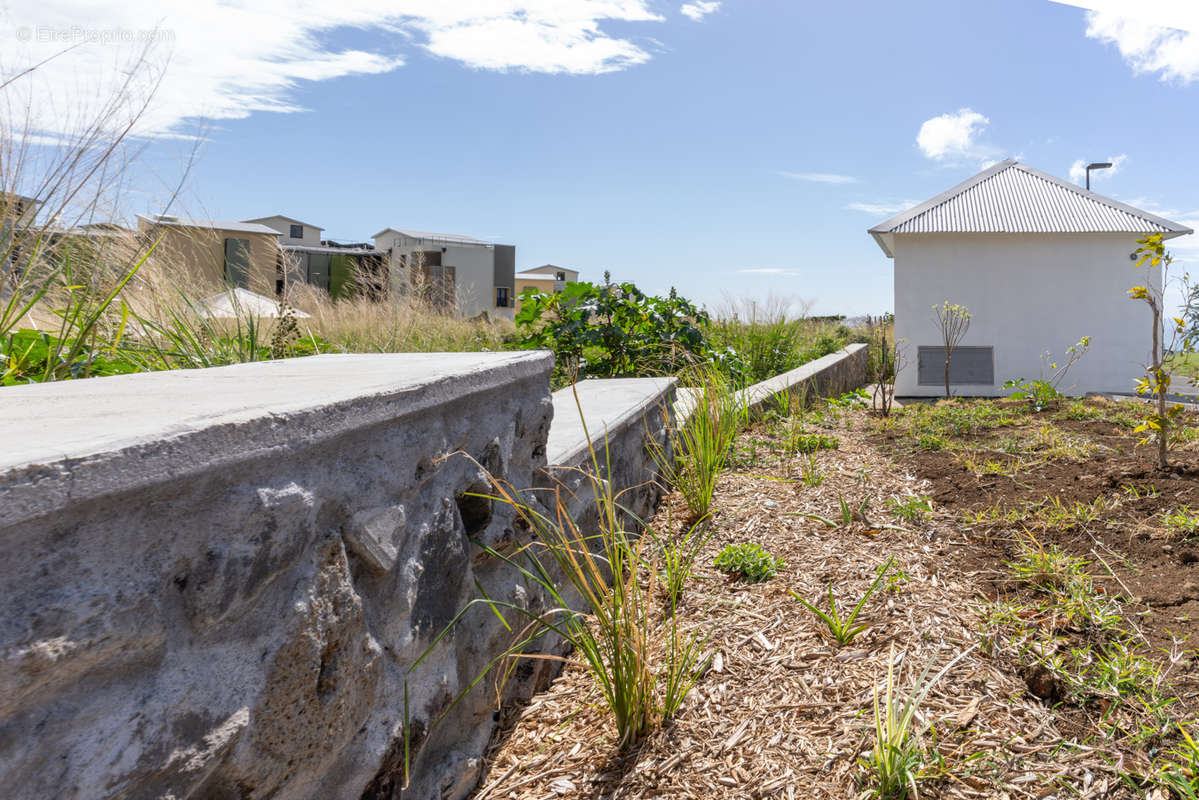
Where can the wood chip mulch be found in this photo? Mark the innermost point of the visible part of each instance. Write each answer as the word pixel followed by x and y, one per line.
pixel 783 711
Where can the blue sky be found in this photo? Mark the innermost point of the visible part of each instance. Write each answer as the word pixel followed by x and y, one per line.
pixel 738 148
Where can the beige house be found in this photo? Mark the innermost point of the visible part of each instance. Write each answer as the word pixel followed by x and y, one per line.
pixel 210 252
pixel 546 278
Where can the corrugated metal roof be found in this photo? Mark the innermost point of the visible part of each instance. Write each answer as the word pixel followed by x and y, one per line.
pixel 218 225
pixel 430 236
pixel 1011 197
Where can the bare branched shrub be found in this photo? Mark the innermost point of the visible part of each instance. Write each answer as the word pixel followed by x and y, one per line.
pixel 952 321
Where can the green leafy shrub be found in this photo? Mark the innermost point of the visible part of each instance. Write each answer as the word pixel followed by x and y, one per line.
pixel 612 329
pixel 749 561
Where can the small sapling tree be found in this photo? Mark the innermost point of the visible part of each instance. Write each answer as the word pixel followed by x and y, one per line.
pixel 952 321
pixel 1160 427
pixel 886 360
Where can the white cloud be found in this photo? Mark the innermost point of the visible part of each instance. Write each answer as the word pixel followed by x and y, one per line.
pixel 226 61
pixel 769 271
pixel 1078 170
pixel 882 208
pixel 1153 36
pixel 699 9
pixel 819 177
pixel 952 138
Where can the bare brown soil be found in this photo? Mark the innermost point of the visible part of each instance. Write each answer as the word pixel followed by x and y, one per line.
pixel 1156 568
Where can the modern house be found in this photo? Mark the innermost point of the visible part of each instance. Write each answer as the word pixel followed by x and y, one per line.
pixel 455 273
pixel 1040 263
pixel 209 252
pixel 546 278
pixel 339 269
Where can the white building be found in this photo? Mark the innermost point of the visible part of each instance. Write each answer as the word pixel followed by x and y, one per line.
pixel 458 273
pixel 1040 263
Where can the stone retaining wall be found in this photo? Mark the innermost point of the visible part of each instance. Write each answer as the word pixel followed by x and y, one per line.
pixel 216 581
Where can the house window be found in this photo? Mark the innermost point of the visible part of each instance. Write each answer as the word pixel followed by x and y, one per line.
pixel 560 276
pixel 503 297
pixel 967 366
pixel 297 231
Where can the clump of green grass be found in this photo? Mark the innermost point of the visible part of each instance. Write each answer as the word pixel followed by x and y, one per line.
pixel 642 665
pixel 1051 442
pixel 770 338
pixel 930 441
pixel 1181 521
pixel 1079 410
pixel 810 470
pixel 913 509
pixel 843 630
pixel 1045 567
pixel 899 761
pixel 698 448
pixel 676 556
pixel 750 561
pixel 1179 770
pixel 1055 514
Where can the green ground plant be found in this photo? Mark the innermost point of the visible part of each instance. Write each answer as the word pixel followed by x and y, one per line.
pixel 913 509
pixel 842 629
pixel 1051 442
pixel 1179 770
pixel 1046 567
pixel 1080 410
pixel 750 561
pixel 1045 390
pixel 809 470
pixel 811 442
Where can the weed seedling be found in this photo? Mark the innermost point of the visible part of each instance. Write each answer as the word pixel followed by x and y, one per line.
pixel 811 442
pixel 810 470
pixel 1181 521
pixel 914 509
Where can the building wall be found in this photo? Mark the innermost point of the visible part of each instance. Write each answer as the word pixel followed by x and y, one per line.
pixel 197 255
pixel 1026 294
pixel 474 266
pixel 312 235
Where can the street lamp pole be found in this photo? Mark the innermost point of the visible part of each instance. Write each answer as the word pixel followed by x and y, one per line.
pixel 1096 165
